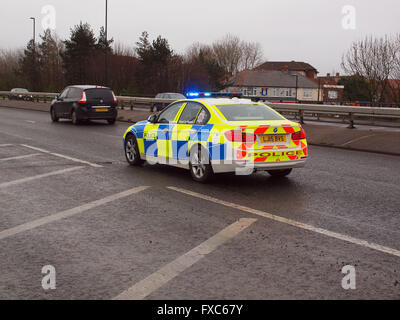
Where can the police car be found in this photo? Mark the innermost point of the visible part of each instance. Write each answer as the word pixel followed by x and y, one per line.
pixel 214 133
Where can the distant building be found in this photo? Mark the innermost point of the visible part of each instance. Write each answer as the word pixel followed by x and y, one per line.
pixel 274 86
pixel 301 68
pixel 330 90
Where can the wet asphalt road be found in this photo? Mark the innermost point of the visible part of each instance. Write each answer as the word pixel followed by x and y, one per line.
pixel 101 251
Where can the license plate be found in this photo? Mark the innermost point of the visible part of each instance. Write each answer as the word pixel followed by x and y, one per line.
pixel 273 138
pixel 101 109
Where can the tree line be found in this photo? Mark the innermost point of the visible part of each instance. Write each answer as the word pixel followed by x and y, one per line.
pixel 151 66
pixel 374 66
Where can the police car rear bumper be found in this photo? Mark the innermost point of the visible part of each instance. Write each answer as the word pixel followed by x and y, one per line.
pixel 234 166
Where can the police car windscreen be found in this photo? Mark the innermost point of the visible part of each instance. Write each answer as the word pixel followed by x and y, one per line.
pixel 99 94
pixel 247 112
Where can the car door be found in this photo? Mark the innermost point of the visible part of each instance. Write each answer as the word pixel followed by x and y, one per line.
pixel 157 136
pixel 59 103
pixel 189 129
pixel 73 96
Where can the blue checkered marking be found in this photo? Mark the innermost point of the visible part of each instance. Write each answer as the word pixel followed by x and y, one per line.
pixel 138 130
pixel 161 135
pixel 150 147
pixel 202 132
pixel 216 151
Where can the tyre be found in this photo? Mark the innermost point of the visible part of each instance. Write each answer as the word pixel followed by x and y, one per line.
pixel 54 118
pixel 74 118
pixel 111 121
pixel 132 151
pixel 199 164
pixel 279 173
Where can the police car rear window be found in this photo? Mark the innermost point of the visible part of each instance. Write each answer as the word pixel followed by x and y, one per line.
pixel 247 112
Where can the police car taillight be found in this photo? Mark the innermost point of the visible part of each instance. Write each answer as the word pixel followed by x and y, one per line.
pixel 83 98
pixel 299 135
pixel 239 136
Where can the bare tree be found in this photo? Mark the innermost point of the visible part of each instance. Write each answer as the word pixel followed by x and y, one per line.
pixel 252 55
pixel 9 65
pixel 229 52
pixel 372 59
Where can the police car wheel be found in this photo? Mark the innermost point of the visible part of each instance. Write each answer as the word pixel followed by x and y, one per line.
pixel 132 151
pixel 199 164
pixel 280 173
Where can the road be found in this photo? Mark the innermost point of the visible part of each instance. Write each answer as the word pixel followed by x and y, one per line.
pixel 69 200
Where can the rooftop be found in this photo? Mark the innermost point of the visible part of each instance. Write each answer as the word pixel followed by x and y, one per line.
pixel 290 65
pixel 278 79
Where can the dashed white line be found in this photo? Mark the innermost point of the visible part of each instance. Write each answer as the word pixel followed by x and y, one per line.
pixel 145 287
pixel 68 213
pixel 294 223
pixel 95 165
pixel 39 176
pixel 6 145
pixel 20 157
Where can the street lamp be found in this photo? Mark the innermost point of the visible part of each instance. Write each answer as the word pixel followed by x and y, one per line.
pixel 34 27
pixel 105 48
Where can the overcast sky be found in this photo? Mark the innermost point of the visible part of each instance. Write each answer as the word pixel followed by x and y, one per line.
pixel 301 30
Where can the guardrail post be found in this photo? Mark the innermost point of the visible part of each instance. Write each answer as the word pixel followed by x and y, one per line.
pixel 301 116
pixel 351 121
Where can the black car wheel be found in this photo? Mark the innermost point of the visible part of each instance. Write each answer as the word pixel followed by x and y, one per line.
pixel 132 151
pixel 111 121
pixel 54 118
pixel 199 164
pixel 280 173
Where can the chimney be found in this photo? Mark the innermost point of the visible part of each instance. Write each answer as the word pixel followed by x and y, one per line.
pixel 337 74
pixel 328 75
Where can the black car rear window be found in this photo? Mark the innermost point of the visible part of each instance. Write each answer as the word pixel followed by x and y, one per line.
pixel 99 94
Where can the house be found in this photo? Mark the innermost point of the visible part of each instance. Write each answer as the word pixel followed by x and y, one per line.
pixel 330 90
pixel 274 86
pixel 301 68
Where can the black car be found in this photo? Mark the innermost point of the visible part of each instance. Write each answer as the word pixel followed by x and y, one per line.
pixel 168 95
pixel 80 103
pixel 20 94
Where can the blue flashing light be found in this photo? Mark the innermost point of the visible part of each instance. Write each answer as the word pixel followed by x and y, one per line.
pixel 214 94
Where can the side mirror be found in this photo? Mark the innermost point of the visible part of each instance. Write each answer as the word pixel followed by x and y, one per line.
pixel 58 98
pixel 152 118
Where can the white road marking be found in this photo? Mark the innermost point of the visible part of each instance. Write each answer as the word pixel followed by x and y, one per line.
pixel 20 157
pixel 156 280
pixel 6 145
pixel 67 213
pixel 294 223
pixel 63 156
pixel 30 121
pixel 39 176
pixel 357 139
